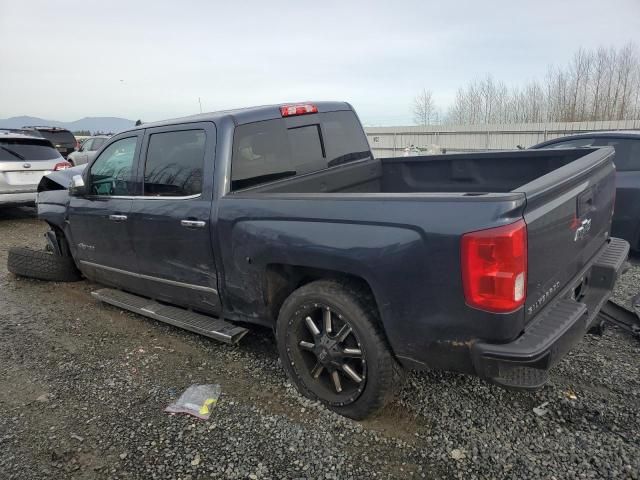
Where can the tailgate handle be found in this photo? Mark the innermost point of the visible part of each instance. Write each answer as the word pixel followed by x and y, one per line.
pixel 192 223
pixel 585 201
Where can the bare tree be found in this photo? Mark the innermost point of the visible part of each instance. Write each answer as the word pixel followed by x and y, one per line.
pixel 424 108
pixel 602 84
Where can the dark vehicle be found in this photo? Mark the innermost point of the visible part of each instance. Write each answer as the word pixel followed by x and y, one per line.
pixel 61 138
pixel 87 150
pixel 626 218
pixel 492 264
pixel 24 160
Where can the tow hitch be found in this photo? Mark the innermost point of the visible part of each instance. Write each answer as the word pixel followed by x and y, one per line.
pixel 623 317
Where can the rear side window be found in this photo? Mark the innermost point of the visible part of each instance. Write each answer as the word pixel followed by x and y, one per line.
pixel 26 150
pixel 627 152
pixel 274 149
pixel 174 164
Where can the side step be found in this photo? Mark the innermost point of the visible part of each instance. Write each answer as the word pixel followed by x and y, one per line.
pixel 195 322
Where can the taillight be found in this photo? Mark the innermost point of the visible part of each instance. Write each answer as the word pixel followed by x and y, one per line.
pixel 494 267
pixel 62 166
pixel 298 109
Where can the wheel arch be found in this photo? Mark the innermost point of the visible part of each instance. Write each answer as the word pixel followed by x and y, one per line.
pixel 57 240
pixel 280 280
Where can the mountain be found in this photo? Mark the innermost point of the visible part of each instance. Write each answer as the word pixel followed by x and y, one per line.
pixel 93 124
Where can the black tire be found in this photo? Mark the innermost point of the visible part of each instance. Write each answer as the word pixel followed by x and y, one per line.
pixel 42 265
pixel 312 359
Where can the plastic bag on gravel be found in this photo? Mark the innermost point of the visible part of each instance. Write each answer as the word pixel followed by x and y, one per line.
pixel 197 400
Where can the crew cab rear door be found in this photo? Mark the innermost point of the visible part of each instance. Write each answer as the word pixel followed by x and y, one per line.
pixel 568 216
pixel 170 220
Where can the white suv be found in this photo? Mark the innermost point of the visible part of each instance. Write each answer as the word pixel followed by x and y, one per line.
pixel 24 160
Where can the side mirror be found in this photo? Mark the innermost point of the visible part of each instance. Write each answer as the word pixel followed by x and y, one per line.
pixel 77 187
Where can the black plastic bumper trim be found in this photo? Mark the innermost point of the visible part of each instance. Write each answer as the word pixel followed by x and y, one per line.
pixel 557 327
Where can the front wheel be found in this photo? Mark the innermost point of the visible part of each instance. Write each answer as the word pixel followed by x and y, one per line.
pixel 42 265
pixel 333 349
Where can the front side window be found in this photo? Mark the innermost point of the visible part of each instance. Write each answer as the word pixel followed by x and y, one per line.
pixel 174 164
pixel 112 172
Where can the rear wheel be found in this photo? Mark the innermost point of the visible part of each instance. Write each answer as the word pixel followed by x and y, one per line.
pixel 42 265
pixel 332 348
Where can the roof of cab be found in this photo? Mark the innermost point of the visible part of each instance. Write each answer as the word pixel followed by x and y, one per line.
pixel 587 134
pixel 244 115
pixel 606 133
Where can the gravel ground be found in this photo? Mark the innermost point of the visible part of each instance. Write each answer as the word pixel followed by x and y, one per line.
pixel 83 387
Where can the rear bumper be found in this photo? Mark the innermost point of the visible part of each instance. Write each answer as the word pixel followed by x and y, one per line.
pixel 18 198
pixel 524 362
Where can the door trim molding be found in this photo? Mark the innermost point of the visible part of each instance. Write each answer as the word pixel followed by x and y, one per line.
pixel 149 277
pixel 142 197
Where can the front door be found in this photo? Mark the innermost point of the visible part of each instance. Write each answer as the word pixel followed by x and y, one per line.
pixel 99 221
pixel 170 227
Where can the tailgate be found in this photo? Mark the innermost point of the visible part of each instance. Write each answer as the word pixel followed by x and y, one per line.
pixel 17 177
pixel 568 216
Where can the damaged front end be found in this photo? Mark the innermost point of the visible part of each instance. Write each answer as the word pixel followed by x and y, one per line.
pixel 53 195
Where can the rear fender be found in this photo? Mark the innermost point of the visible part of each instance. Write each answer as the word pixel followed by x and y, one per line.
pixel 389 259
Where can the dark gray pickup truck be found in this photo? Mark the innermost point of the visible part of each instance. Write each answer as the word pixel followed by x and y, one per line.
pixel 492 264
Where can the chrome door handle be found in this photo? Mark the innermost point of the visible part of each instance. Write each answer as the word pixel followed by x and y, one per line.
pixel 192 223
pixel 117 218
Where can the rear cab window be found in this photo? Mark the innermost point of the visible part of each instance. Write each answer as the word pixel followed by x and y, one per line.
pixel 285 147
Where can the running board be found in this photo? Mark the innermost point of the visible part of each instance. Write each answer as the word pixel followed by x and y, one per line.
pixel 179 317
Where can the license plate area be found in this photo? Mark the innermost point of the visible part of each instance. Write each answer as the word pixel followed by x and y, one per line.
pixel 24 178
pixel 581 288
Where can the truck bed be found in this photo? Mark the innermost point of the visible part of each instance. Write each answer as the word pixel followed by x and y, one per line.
pixel 403 218
pixel 467 173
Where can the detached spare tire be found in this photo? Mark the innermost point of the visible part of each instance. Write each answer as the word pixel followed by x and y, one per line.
pixel 42 265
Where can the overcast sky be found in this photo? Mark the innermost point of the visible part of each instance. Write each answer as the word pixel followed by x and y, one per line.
pixel 64 60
